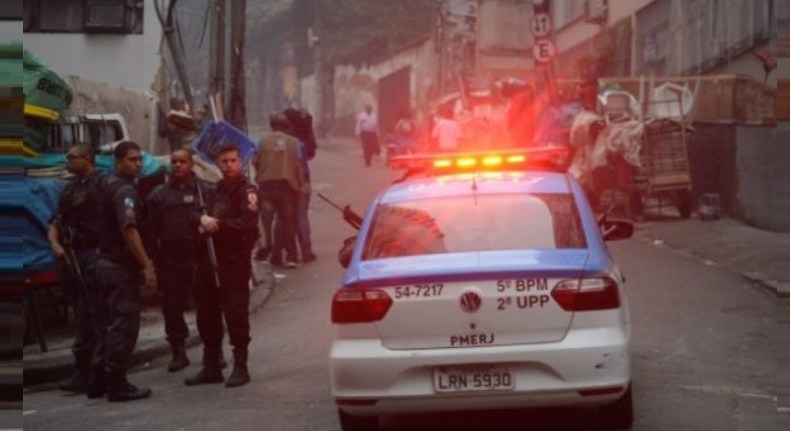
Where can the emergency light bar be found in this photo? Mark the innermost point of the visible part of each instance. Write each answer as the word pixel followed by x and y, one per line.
pixel 541 158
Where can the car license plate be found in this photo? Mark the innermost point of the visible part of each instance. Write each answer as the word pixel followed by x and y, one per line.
pixel 472 378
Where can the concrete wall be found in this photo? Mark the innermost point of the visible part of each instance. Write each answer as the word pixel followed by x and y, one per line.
pixel 308 93
pixel 11 30
pixel 748 65
pixel 139 109
pixel 504 38
pixel 579 31
pixel 129 61
pixel 355 86
pixel 763 166
pixel 748 167
pixel 712 154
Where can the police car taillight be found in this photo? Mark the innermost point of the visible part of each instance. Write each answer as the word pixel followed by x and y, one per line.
pixel 553 158
pixel 587 294
pixel 360 305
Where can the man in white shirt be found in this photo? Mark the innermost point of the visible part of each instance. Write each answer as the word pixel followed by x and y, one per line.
pixel 446 133
pixel 368 132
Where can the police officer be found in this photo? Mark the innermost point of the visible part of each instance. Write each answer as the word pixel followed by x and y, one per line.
pixel 232 222
pixel 78 213
pixel 170 207
pixel 122 260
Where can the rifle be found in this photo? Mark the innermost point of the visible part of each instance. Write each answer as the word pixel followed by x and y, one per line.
pixel 212 252
pixel 349 216
pixel 67 234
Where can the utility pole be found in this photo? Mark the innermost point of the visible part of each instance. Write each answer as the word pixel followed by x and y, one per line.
pixel 439 29
pixel 320 72
pixel 217 74
pixel 169 30
pixel 237 108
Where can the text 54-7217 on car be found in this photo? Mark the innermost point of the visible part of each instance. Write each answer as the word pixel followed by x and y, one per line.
pixel 480 282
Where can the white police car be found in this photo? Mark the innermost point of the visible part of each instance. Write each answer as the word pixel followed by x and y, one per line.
pixel 481 284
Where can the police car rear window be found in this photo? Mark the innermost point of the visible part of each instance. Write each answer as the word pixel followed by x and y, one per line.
pixel 475 223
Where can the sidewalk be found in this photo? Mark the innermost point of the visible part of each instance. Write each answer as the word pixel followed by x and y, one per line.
pixel 58 362
pixel 758 255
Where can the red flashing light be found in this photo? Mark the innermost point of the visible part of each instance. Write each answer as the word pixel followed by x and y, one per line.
pixel 551 158
pixel 492 161
pixel 466 162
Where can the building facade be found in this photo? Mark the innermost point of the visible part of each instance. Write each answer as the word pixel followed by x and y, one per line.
pixel 110 49
pixel 664 37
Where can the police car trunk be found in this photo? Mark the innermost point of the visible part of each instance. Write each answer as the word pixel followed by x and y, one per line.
pixel 477 261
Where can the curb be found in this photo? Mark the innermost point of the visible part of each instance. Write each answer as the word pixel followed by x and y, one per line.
pixel 57 367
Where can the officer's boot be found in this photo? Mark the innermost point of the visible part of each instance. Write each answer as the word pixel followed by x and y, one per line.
pixel 211 371
pixel 119 389
pixel 180 359
pixel 97 384
pixel 222 362
pixel 240 375
pixel 77 382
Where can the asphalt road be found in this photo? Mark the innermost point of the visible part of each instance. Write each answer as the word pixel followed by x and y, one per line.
pixel 703 350
pixel 783 363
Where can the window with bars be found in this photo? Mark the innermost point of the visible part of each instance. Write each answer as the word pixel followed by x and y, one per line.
pixel 83 16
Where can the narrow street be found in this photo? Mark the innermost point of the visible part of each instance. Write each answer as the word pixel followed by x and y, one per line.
pixel 783 362
pixel 703 348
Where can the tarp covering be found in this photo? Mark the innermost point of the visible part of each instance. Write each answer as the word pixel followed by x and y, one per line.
pixel 46 97
pixel 104 162
pixel 10 70
pixel 40 202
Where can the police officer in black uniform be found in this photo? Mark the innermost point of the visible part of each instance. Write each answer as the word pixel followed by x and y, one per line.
pixel 170 207
pixel 77 221
pixel 232 222
pixel 122 261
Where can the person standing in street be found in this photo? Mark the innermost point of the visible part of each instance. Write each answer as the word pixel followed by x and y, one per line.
pixel 170 207
pixel 280 178
pixel 302 129
pixel 231 220
pixel 446 132
pixel 122 261
pixel 368 132
pixel 406 132
pixel 77 221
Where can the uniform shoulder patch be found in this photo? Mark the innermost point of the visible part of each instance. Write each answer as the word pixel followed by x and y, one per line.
pixel 252 200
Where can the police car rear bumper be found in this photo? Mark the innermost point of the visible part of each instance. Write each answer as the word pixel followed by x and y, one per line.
pixel 368 379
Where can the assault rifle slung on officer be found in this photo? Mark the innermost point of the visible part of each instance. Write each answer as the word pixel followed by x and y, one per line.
pixel 67 234
pixel 212 251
